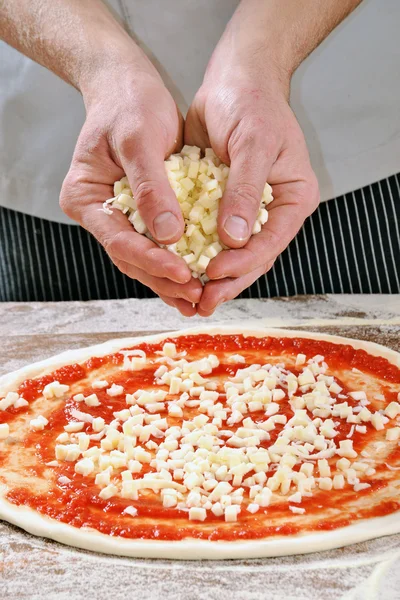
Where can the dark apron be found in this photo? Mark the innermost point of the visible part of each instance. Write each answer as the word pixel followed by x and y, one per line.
pixel 350 245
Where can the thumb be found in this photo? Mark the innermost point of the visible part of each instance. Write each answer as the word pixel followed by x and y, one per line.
pixel 156 201
pixel 240 203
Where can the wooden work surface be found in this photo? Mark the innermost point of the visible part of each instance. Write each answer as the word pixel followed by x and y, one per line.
pixel 34 568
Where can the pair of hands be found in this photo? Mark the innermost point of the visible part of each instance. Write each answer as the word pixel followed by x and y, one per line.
pixel 133 124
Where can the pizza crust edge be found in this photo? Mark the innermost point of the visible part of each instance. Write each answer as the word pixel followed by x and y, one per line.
pixel 87 539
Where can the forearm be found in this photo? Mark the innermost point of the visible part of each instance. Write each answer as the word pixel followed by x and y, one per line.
pixel 282 33
pixel 72 38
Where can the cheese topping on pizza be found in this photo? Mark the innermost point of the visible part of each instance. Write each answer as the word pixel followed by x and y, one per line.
pixel 228 436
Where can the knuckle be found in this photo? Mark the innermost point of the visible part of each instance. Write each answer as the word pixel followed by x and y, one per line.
pixel 253 132
pixel 246 194
pixel 149 192
pixel 92 140
pixel 115 246
pixel 128 138
pixel 151 262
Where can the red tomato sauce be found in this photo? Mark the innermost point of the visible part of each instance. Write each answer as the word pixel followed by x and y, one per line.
pixel 78 504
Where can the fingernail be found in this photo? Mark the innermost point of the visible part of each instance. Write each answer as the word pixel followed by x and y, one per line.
pixel 166 226
pixel 237 228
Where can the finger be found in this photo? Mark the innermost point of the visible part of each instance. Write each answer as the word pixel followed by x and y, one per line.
pixel 185 308
pixel 217 292
pixel 122 242
pixel 191 291
pixel 143 162
pixel 195 132
pixel 293 204
pixel 239 206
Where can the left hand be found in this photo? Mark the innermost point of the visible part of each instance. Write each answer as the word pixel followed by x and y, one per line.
pixel 242 112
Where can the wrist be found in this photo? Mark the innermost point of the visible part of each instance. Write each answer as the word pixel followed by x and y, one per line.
pixel 249 64
pixel 113 69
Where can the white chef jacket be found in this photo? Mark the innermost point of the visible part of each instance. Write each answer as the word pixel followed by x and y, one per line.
pixel 346 96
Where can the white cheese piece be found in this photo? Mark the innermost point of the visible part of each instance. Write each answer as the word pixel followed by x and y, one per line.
pixel 346 449
pixel 392 410
pixel 131 511
pixel 92 400
pixel 296 497
pixel 55 389
pixel 4 431
pixel 231 513
pixel 253 508
pixel 300 360
pixel 338 482
pixel 197 514
pixel 84 466
pixel 20 403
pixel 39 423
pixel 115 390
pixel 78 398
pixel 377 421
pixel 297 510
pixel 236 358
pixel 393 434
pixel 99 384
pixel 103 479
pixel 74 426
pixel 10 399
pixel 64 480
pixel 358 395
pixel 69 452
pixel 81 416
pixel 98 424
pixel 108 492
pixel 358 487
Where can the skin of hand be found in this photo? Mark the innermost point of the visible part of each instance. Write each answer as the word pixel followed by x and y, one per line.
pixel 245 117
pixel 242 111
pixel 130 130
pixel 251 127
pixel 132 125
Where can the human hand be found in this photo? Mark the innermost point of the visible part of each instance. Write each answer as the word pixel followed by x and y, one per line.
pixel 132 125
pixel 242 112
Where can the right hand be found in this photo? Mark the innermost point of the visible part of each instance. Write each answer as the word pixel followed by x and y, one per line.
pixel 132 125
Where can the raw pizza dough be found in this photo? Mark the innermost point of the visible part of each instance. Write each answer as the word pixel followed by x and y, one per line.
pixel 41 525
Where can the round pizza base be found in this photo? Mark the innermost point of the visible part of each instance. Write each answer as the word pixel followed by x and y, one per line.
pixel 191 549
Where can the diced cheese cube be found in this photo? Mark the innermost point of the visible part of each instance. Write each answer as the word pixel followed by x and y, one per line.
pixel 325 483
pixel 4 431
pixel 108 492
pixel 253 508
pixel 84 466
pixel 377 421
pixel 324 468
pixel 10 399
pixel 346 449
pixel 197 514
pixel 92 400
pixel 99 384
pixel 338 482
pixel 115 390
pixel 39 423
pixel 231 513
pixel 393 434
pixel 392 410
pixel 55 389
